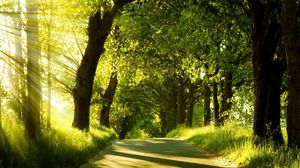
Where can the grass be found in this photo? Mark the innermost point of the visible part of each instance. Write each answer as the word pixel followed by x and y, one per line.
pixel 59 147
pixel 236 144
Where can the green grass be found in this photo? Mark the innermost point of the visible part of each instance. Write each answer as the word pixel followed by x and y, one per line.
pixel 236 144
pixel 60 147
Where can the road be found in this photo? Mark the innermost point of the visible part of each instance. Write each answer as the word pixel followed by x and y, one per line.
pixel 154 153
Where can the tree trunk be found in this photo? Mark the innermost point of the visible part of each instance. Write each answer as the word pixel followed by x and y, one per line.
pixel 180 102
pixel 207 114
pixel 189 118
pixel 19 84
pixel 171 117
pixel 49 81
pixel 124 128
pixel 226 97
pixel 108 100
pixel 1 109
pixel 163 123
pixel 99 28
pixel 34 89
pixel 216 104
pixel 265 39
pixel 292 45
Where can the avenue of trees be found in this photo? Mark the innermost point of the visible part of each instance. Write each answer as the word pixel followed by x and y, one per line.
pixel 151 65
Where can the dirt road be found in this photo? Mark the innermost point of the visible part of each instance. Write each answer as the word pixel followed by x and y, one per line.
pixel 154 153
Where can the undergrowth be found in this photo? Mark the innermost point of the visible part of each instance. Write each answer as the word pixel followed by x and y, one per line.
pixel 59 147
pixel 236 143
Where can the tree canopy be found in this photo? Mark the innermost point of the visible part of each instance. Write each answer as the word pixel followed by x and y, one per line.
pixel 146 67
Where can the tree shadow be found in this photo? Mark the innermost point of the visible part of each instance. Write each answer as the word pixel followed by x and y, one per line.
pixel 164 146
pixel 164 152
pixel 160 161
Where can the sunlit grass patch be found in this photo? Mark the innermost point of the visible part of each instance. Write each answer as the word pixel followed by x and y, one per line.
pixel 58 147
pixel 70 146
pixel 236 143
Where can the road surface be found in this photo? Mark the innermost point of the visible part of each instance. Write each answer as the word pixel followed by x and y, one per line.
pixel 154 153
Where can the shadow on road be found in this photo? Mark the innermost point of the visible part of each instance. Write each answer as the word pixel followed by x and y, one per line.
pixel 164 153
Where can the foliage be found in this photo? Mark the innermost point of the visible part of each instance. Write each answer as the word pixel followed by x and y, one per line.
pixel 236 143
pixel 152 46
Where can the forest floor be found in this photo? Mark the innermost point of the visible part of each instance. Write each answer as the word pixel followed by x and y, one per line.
pixel 156 152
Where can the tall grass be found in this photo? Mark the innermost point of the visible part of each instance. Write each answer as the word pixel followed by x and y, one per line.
pixel 236 143
pixel 58 147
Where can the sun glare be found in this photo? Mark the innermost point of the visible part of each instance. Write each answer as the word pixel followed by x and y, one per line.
pixel 59 104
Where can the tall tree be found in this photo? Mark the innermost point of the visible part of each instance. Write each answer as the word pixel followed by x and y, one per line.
pixel 216 104
pixel 1 98
pixel 49 25
pixel 267 68
pixel 33 76
pixel 190 110
pixel 20 74
pixel 207 112
pixel 291 34
pixel 227 94
pixel 171 116
pixel 181 101
pixel 108 99
pixel 99 27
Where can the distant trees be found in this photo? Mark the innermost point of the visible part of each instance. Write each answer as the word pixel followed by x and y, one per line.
pixel 179 40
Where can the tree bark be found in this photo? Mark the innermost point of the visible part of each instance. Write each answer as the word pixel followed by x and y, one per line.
pixel 265 38
pixel 49 57
pixel 49 83
pixel 207 113
pixel 180 102
pixel 20 74
pixel 171 117
pixel 125 127
pixel 163 122
pixel 292 45
pixel 1 109
pixel 216 104
pixel 227 94
pixel 190 111
pixel 34 89
pixel 99 28
pixel 108 100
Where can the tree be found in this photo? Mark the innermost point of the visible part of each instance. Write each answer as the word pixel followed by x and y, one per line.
pixel 33 76
pixel 190 110
pixel 181 101
pixel 2 93
pixel 267 68
pixel 291 34
pixel 216 104
pixel 108 99
pixel 47 23
pixel 19 61
pixel 207 111
pixel 99 27
pixel 226 97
